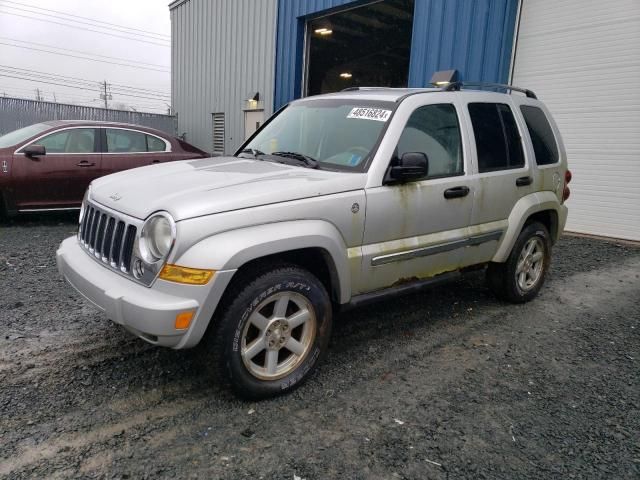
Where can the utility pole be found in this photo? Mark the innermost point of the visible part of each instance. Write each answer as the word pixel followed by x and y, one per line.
pixel 105 95
pixel 38 96
pixel 54 98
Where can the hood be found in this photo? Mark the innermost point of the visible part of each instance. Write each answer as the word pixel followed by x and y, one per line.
pixel 193 188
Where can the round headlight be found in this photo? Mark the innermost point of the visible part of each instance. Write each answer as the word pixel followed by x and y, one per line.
pixel 157 236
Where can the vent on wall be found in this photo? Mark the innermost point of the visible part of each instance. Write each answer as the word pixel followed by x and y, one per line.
pixel 218 134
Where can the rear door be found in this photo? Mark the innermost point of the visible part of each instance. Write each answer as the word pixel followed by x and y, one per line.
pixel 59 178
pixel 504 172
pixel 126 148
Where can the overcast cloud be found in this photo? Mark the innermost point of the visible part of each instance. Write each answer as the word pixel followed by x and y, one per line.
pixel 149 15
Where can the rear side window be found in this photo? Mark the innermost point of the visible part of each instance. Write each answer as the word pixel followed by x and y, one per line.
pixel 498 142
pixel 154 144
pixel 544 143
pixel 125 141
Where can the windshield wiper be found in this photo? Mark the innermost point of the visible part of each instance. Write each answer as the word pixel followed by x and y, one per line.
pixel 253 152
pixel 306 159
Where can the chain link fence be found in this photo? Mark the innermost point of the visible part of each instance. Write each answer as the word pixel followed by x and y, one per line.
pixel 17 113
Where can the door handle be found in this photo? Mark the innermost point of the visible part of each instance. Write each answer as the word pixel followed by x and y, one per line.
pixel 456 192
pixel 524 181
pixel 85 163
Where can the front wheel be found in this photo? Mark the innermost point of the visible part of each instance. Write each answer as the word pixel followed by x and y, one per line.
pixel 521 277
pixel 274 331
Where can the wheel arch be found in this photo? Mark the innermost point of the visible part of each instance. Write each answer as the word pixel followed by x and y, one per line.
pixel 311 244
pixel 541 206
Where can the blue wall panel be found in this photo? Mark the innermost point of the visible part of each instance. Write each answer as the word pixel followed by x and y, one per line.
pixel 473 36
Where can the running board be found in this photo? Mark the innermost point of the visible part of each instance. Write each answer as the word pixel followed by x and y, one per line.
pixel 397 290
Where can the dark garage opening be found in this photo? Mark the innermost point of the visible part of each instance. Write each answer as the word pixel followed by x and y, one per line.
pixel 363 46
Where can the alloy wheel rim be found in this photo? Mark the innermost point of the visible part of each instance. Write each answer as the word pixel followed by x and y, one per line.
pixel 530 264
pixel 278 335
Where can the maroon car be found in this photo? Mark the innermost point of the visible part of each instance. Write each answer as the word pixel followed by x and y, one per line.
pixel 48 166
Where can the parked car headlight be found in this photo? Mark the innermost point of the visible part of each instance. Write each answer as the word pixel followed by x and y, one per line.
pixel 157 237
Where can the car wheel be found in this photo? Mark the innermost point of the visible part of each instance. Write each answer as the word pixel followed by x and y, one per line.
pixel 273 332
pixel 521 277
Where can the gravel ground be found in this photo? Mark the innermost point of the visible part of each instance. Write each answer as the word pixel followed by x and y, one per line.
pixel 449 383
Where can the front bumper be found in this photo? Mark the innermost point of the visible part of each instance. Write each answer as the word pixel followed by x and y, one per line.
pixel 149 313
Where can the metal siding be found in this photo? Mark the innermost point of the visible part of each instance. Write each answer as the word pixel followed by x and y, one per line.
pixel 474 37
pixel 581 58
pixel 222 51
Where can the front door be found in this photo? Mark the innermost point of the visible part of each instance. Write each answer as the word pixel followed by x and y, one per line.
pixel 417 230
pixel 59 178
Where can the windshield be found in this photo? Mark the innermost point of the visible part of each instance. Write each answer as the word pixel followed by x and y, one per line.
pixel 335 133
pixel 22 134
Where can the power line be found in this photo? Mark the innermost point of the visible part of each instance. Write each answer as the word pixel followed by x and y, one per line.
pixel 77 80
pixel 73 86
pixel 82 53
pixel 86 29
pixel 85 18
pixel 85 58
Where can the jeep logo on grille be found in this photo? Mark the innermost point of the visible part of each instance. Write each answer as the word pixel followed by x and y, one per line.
pixel 115 197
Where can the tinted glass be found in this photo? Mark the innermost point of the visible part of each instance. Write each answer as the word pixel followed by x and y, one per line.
pixel 434 130
pixel 337 133
pixel 77 140
pixel 544 143
pixel 497 139
pixel 154 144
pixel 123 141
pixel 514 142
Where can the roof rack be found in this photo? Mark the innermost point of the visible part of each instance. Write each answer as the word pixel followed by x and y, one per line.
pixel 456 86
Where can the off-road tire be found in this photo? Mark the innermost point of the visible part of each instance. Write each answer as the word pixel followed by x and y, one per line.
pixel 501 277
pixel 223 342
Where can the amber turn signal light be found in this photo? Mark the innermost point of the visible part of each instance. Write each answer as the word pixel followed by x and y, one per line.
pixel 191 276
pixel 183 320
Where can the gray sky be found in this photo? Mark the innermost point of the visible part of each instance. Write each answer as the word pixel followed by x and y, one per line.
pixel 19 24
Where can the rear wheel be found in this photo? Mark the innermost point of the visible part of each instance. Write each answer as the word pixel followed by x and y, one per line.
pixel 521 277
pixel 273 332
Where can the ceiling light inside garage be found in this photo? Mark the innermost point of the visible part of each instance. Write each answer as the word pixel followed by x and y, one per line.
pixel 323 31
pixel 346 75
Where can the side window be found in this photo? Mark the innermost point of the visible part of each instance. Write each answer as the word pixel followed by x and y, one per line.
pixel 498 142
pixel 77 140
pixel 125 141
pixel 544 143
pixel 154 144
pixel 435 131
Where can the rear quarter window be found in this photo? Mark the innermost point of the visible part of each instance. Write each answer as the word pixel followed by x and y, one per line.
pixel 542 138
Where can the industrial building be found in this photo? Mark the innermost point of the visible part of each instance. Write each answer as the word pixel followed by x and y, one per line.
pixel 234 62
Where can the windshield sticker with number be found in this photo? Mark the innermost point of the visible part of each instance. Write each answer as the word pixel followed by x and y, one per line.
pixel 367 113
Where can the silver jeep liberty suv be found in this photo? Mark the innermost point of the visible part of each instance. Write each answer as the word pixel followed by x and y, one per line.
pixel 337 200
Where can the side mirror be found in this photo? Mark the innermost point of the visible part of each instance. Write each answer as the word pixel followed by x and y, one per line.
pixel 34 150
pixel 411 166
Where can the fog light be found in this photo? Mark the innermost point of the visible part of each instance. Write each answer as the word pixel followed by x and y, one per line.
pixel 191 276
pixel 183 320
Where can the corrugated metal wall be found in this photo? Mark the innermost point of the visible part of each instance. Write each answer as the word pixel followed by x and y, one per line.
pixel 222 52
pixel 473 36
pixel 18 113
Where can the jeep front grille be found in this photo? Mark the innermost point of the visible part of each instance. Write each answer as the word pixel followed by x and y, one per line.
pixel 108 238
